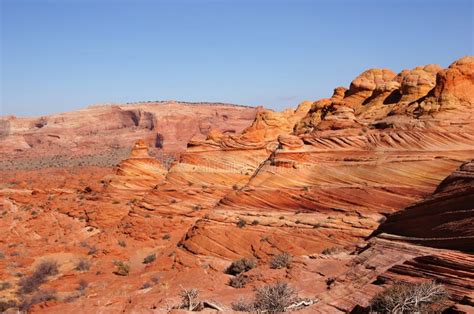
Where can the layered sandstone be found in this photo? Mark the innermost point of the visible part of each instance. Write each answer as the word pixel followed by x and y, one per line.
pixel 316 182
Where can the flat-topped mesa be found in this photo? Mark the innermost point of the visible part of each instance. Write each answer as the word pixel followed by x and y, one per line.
pixel 139 172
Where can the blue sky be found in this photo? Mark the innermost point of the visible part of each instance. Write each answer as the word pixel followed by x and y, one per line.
pixel 60 55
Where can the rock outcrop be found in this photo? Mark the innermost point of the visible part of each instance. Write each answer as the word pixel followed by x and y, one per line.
pixel 360 188
pixel 447 216
pixel 139 172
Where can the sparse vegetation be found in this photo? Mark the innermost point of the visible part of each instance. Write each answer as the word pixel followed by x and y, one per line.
pixel 275 298
pixel 241 223
pixel 82 286
pixel 122 269
pixel 239 281
pixel 146 285
pixel 255 222
pixel 243 306
pixel 43 270
pixel 240 266
pixel 331 250
pixel 166 236
pixel 281 260
pixel 149 259
pixel 330 282
pixel 409 298
pixel 83 265
pixel 38 297
pixel 122 243
pixel 92 250
pixel 189 299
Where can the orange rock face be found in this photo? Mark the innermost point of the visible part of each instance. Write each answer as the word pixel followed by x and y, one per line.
pixel 363 189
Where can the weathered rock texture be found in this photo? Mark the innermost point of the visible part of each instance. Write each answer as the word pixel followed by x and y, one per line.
pixel 361 188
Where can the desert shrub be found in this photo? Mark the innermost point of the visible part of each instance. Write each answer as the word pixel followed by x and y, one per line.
pixel 189 298
pixel 243 306
pixel 240 266
pixel 408 298
pixel 239 281
pixel 241 223
pixel 275 298
pixel 47 268
pixel 82 286
pixel 43 270
pixel 281 260
pixel 330 282
pixel 92 250
pixel 146 285
pixel 122 269
pixel 122 243
pixel 149 259
pixel 83 265
pixel 166 236
pixel 331 250
pixel 38 297
pixel 255 222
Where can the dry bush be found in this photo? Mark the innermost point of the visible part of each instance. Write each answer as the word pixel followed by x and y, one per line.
pixel 39 297
pixel 243 306
pixel 122 268
pixel 281 260
pixel 275 298
pixel 31 283
pixel 239 281
pixel 409 298
pixel 149 259
pixel 240 266
pixel 83 265
pixel 82 286
pixel 189 299
pixel 331 250
pixel 241 223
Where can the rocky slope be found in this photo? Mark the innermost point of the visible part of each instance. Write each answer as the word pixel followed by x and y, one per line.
pixel 361 188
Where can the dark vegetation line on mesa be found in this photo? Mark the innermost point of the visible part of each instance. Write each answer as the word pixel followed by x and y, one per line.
pixel 356 203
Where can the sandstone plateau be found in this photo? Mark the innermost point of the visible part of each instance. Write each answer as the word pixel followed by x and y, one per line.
pixel 370 187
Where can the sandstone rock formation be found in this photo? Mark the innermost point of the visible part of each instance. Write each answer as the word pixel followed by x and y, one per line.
pixel 139 172
pixel 112 129
pixel 360 188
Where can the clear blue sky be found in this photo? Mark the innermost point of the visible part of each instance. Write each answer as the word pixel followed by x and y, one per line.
pixel 66 54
